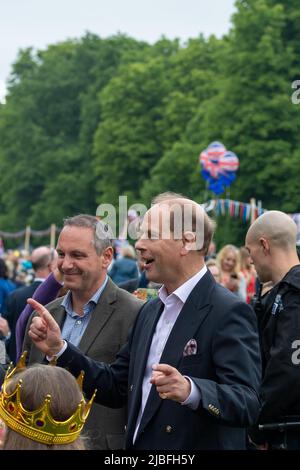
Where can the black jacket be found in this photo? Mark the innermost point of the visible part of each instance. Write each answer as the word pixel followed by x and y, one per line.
pixel 279 330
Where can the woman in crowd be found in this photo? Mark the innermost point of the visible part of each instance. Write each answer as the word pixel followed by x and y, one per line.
pixel 231 276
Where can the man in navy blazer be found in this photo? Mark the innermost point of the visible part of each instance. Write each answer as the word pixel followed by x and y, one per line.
pixel 190 371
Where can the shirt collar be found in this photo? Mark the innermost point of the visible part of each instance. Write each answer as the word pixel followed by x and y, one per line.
pixel 67 301
pixel 95 298
pixel 39 279
pixel 182 292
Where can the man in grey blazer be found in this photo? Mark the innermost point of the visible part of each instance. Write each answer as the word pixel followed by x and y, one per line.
pixel 95 315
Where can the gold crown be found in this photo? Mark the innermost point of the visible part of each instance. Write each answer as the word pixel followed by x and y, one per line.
pixel 39 425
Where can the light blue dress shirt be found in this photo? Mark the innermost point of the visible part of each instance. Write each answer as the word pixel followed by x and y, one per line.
pixel 75 325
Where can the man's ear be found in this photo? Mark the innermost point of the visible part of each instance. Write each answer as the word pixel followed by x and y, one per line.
pixel 264 243
pixel 107 256
pixel 189 241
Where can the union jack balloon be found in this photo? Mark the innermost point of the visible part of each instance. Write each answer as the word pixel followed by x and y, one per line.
pixel 218 166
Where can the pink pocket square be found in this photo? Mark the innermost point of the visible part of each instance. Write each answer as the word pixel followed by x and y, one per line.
pixel 190 348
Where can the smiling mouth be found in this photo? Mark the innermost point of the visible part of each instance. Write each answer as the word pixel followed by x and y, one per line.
pixel 148 262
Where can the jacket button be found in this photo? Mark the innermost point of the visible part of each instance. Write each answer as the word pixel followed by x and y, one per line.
pixel 131 387
pixel 169 429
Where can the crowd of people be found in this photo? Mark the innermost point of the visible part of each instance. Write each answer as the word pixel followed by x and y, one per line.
pixel 209 359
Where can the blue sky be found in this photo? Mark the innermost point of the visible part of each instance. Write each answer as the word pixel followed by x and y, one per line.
pixel 38 23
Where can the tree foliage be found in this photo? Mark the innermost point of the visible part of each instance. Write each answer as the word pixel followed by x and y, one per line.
pixel 88 120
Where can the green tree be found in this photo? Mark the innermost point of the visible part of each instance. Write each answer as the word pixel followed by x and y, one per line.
pixel 47 127
pixel 127 144
pixel 194 75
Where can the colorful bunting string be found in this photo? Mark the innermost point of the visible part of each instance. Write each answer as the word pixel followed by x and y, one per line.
pixel 233 208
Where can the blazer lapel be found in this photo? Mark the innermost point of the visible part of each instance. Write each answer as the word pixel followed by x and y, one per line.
pixel 192 315
pixel 99 317
pixel 59 314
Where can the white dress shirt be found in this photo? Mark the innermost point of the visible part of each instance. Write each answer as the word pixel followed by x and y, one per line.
pixel 173 304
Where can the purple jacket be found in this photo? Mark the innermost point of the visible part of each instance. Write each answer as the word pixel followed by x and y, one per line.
pixel 46 292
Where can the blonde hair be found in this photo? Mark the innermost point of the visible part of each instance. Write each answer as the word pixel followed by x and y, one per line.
pixel 224 252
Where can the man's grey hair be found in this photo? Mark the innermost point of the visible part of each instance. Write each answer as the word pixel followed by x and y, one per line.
pixel 101 230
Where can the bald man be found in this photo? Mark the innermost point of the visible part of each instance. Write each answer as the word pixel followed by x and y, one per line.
pixel 43 261
pixel 271 241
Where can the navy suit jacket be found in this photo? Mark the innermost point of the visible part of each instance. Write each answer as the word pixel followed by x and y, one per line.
pixel 226 370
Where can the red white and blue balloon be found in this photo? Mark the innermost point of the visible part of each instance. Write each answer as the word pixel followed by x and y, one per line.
pixel 218 167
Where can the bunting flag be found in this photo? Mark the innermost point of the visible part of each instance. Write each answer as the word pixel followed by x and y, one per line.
pixel 235 209
pixel 1 247
pixel 247 212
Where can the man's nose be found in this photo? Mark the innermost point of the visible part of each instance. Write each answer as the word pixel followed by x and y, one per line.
pixel 66 263
pixel 138 245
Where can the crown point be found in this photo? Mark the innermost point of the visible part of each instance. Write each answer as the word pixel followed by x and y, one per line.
pixel 80 378
pixel 21 364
